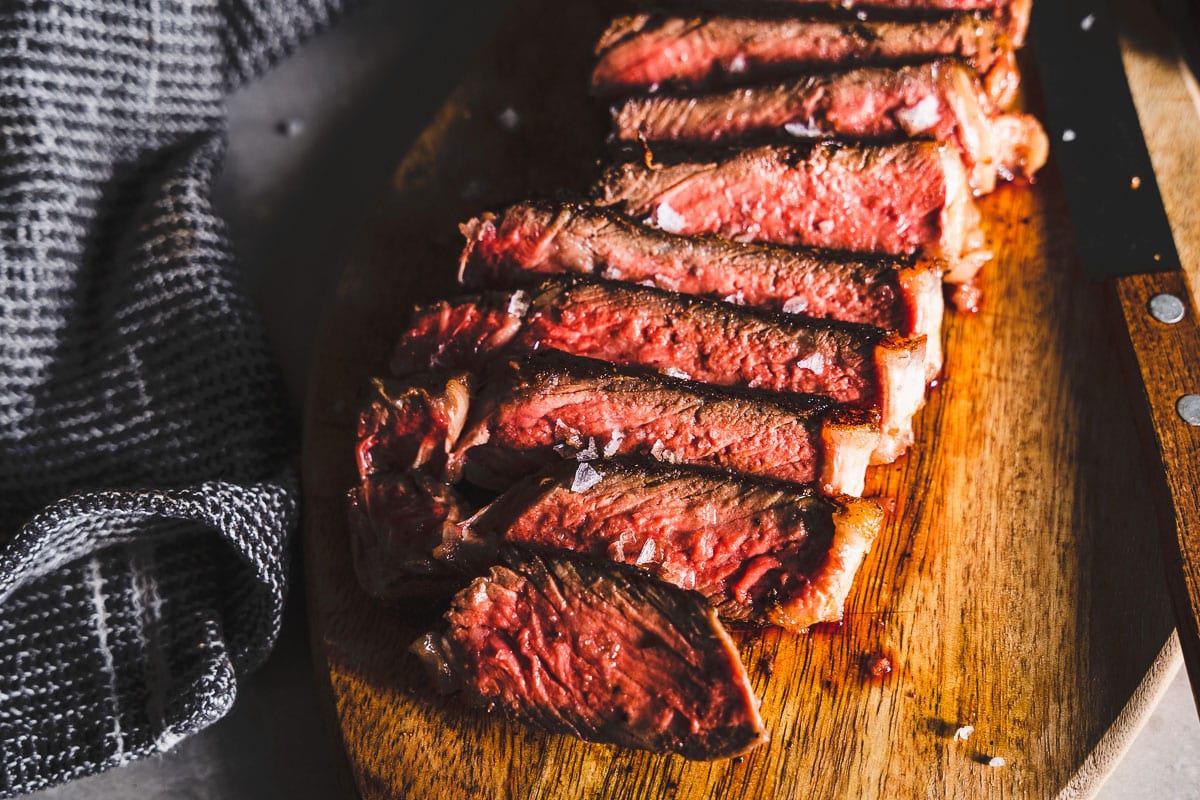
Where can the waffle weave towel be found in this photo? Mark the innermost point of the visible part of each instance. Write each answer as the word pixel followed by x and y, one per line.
pixel 146 484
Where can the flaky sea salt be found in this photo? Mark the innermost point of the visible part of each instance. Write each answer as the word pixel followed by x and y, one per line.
pixel 919 118
pixel 585 478
pixel 674 372
pixel 647 553
pixel 795 305
pixel 803 130
pixel 588 453
pixel 509 119
pixel 996 761
pixel 518 304
pixel 814 363
pixel 614 443
pixel 668 219
pixel 963 733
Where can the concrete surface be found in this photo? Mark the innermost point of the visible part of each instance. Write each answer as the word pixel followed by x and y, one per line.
pixel 293 194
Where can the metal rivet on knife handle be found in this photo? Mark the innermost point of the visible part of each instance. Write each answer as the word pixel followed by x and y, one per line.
pixel 1188 408
pixel 1166 308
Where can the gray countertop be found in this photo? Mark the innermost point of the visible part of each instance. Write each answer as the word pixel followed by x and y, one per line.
pixel 311 144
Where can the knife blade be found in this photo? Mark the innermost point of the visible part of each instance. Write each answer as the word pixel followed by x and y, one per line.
pixel 1123 237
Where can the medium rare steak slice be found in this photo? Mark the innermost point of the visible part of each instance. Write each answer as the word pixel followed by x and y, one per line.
pixel 530 413
pixel 1013 15
pixel 411 423
pixel 899 199
pixel 759 551
pixel 645 52
pixel 707 341
pixel 941 100
pixel 398 522
pixel 598 651
pixel 529 240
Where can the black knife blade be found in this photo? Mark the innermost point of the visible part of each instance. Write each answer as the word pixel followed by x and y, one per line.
pixel 1122 234
pixel 1116 212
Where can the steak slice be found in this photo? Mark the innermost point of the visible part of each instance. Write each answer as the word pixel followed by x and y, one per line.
pixel 411 423
pixel 533 412
pixel 706 341
pixel 646 52
pixel 759 551
pixel 530 240
pixel 900 199
pixel 1012 15
pixel 398 522
pixel 598 651
pixel 942 100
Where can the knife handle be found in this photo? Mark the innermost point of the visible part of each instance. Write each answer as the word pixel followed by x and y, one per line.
pixel 1168 357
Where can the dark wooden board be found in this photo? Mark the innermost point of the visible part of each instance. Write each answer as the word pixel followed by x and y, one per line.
pixel 1017 587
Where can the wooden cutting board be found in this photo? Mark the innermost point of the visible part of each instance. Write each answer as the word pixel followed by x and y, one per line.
pixel 1017 587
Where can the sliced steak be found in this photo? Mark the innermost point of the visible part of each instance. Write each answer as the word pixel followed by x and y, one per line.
pixel 706 341
pixel 899 199
pixel 400 522
pixel 942 100
pixel 462 332
pixel 598 651
pixel 1012 15
pixel 646 52
pixel 411 423
pixel 759 551
pixel 532 412
pixel 531 240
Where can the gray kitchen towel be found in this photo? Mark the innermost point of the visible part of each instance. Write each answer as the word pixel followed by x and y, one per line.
pixel 147 489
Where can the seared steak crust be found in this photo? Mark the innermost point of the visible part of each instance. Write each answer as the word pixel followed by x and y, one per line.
pixel 398 521
pixel 412 423
pixel 598 651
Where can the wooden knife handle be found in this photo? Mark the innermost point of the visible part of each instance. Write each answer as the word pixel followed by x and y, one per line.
pixel 1168 357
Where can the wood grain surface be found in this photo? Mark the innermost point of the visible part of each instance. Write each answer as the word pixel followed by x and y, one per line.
pixel 1017 587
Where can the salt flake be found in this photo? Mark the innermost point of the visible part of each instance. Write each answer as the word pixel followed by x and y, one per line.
pixel 585 478
pixel 795 305
pixel 964 733
pixel 803 130
pixel 668 219
pixel 588 453
pixel 518 304
pixel 647 553
pixel 509 119
pixel 919 118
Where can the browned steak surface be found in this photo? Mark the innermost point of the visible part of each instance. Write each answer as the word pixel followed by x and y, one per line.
pixel 411 423
pixel 398 523
pixel 598 651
